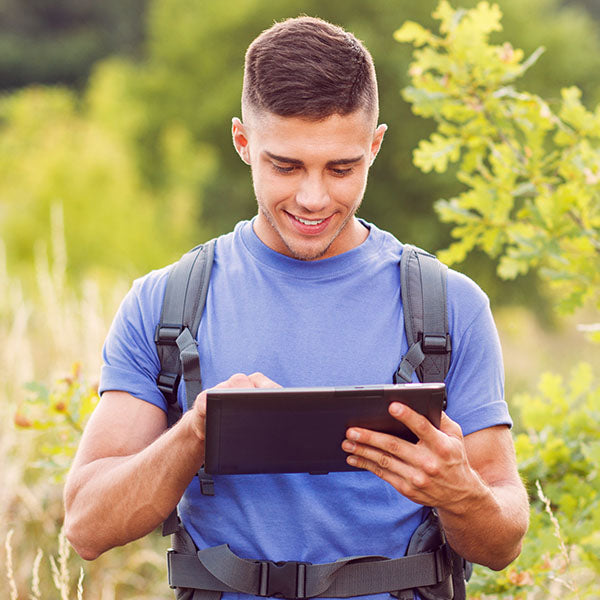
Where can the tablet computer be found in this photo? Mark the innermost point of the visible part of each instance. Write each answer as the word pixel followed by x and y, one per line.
pixel 296 430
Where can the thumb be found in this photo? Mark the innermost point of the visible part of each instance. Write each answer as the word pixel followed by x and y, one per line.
pixel 450 427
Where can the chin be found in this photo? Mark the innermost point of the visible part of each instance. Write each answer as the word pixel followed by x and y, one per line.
pixel 307 253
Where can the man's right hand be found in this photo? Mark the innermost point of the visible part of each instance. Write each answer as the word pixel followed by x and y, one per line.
pixel 237 381
pixel 130 472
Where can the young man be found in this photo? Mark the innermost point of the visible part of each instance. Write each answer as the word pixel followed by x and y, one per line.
pixel 305 294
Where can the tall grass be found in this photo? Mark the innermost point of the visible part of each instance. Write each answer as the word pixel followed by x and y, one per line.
pixel 44 329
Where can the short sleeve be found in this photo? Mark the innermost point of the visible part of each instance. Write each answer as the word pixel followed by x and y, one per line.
pixel 130 360
pixel 475 381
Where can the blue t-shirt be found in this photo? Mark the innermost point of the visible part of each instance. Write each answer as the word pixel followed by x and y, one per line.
pixel 336 321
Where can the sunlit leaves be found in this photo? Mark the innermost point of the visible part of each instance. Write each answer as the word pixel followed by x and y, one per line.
pixel 532 173
pixel 436 153
pixel 559 447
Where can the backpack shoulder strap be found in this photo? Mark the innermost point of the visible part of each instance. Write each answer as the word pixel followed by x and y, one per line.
pixel 175 338
pixel 175 335
pixel 423 288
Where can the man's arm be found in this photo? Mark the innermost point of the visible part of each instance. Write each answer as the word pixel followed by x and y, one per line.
pixel 472 481
pixel 129 472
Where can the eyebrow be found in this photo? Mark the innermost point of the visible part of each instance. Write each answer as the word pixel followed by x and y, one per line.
pixel 295 161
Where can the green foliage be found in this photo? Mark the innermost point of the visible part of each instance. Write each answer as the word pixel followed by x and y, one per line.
pixel 194 78
pixel 559 450
pixel 59 413
pixel 531 170
pixel 162 125
pixel 56 151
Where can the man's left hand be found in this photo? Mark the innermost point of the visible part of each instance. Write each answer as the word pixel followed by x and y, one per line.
pixel 433 472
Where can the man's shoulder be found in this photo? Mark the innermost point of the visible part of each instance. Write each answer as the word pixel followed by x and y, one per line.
pixel 461 286
pixel 151 283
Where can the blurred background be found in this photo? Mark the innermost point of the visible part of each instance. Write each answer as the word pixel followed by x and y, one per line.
pixel 115 158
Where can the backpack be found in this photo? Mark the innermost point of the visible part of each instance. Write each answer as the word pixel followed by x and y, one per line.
pixel 431 567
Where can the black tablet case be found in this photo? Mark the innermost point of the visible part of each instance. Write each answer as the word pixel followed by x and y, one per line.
pixel 295 430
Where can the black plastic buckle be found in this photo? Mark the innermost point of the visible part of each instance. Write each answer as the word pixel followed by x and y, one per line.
pixel 167 382
pixel 442 560
pixel 284 579
pixel 170 553
pixel 166 334
pixel 436 343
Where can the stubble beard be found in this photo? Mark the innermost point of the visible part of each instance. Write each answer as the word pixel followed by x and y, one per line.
pixel 306 255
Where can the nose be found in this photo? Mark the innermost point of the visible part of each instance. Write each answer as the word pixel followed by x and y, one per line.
pixel 312 195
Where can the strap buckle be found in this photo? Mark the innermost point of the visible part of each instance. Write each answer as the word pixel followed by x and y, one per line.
pixel 284 579
pixel 170 553
pixel 167 383
pixel 166 334
pixel 436 343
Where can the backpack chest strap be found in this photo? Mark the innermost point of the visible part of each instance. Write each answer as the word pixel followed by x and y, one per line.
pixel 219 569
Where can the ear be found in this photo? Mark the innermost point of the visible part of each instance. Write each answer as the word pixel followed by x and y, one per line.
pixel 240 139
pixel 377 141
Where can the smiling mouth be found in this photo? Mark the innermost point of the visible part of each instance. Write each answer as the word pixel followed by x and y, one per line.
pixel 308 221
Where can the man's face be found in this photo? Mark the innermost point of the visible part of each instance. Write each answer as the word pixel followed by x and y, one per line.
pixel 309 179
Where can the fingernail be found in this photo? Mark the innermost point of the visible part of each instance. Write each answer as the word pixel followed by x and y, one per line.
pixel 352 460
pixel 353 435
pixel 349 446
pixel 396 408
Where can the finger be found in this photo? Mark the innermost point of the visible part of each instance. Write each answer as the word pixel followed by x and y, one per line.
pixel 407 480
pixel 238 380
pixel 361 455
pixel 198 411
pixel 200 403
pixel 420 425
pixel 262 381
pixel 365 439
pixel 412 480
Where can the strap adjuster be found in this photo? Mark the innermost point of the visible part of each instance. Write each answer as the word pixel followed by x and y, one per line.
pixel 167 383
pixel 166 334
pixel 284 579
pixel 170 553
pixel 436 343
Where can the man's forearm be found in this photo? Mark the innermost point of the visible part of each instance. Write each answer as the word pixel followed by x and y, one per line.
pixel 489 528
pixel 114 500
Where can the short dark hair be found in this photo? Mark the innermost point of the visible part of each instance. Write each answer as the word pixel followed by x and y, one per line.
pixel 307 67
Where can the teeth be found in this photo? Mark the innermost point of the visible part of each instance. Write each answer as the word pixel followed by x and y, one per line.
pixel 307 222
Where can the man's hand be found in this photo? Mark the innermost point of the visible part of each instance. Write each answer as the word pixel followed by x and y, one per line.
pixel 237 381
pixel 472 481
pixel 433 472
pixel 123 483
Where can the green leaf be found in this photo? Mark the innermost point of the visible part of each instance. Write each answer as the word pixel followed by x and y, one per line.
pixel 447 15
pixel 485 18
pixel 437 153
pixel 414 33
pixel 510 266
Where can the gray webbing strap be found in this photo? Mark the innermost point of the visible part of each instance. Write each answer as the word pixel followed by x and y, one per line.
pixel 175 338
pixel 185 296
pixel 410 362
pixel 423 288
pixel 206 595
pixel 219 569
pixel 190 365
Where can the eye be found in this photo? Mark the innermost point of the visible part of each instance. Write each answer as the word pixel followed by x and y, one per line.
pixel 342 172
pixel 283 170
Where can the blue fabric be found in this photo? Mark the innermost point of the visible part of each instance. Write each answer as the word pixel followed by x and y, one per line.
pixel 336 321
